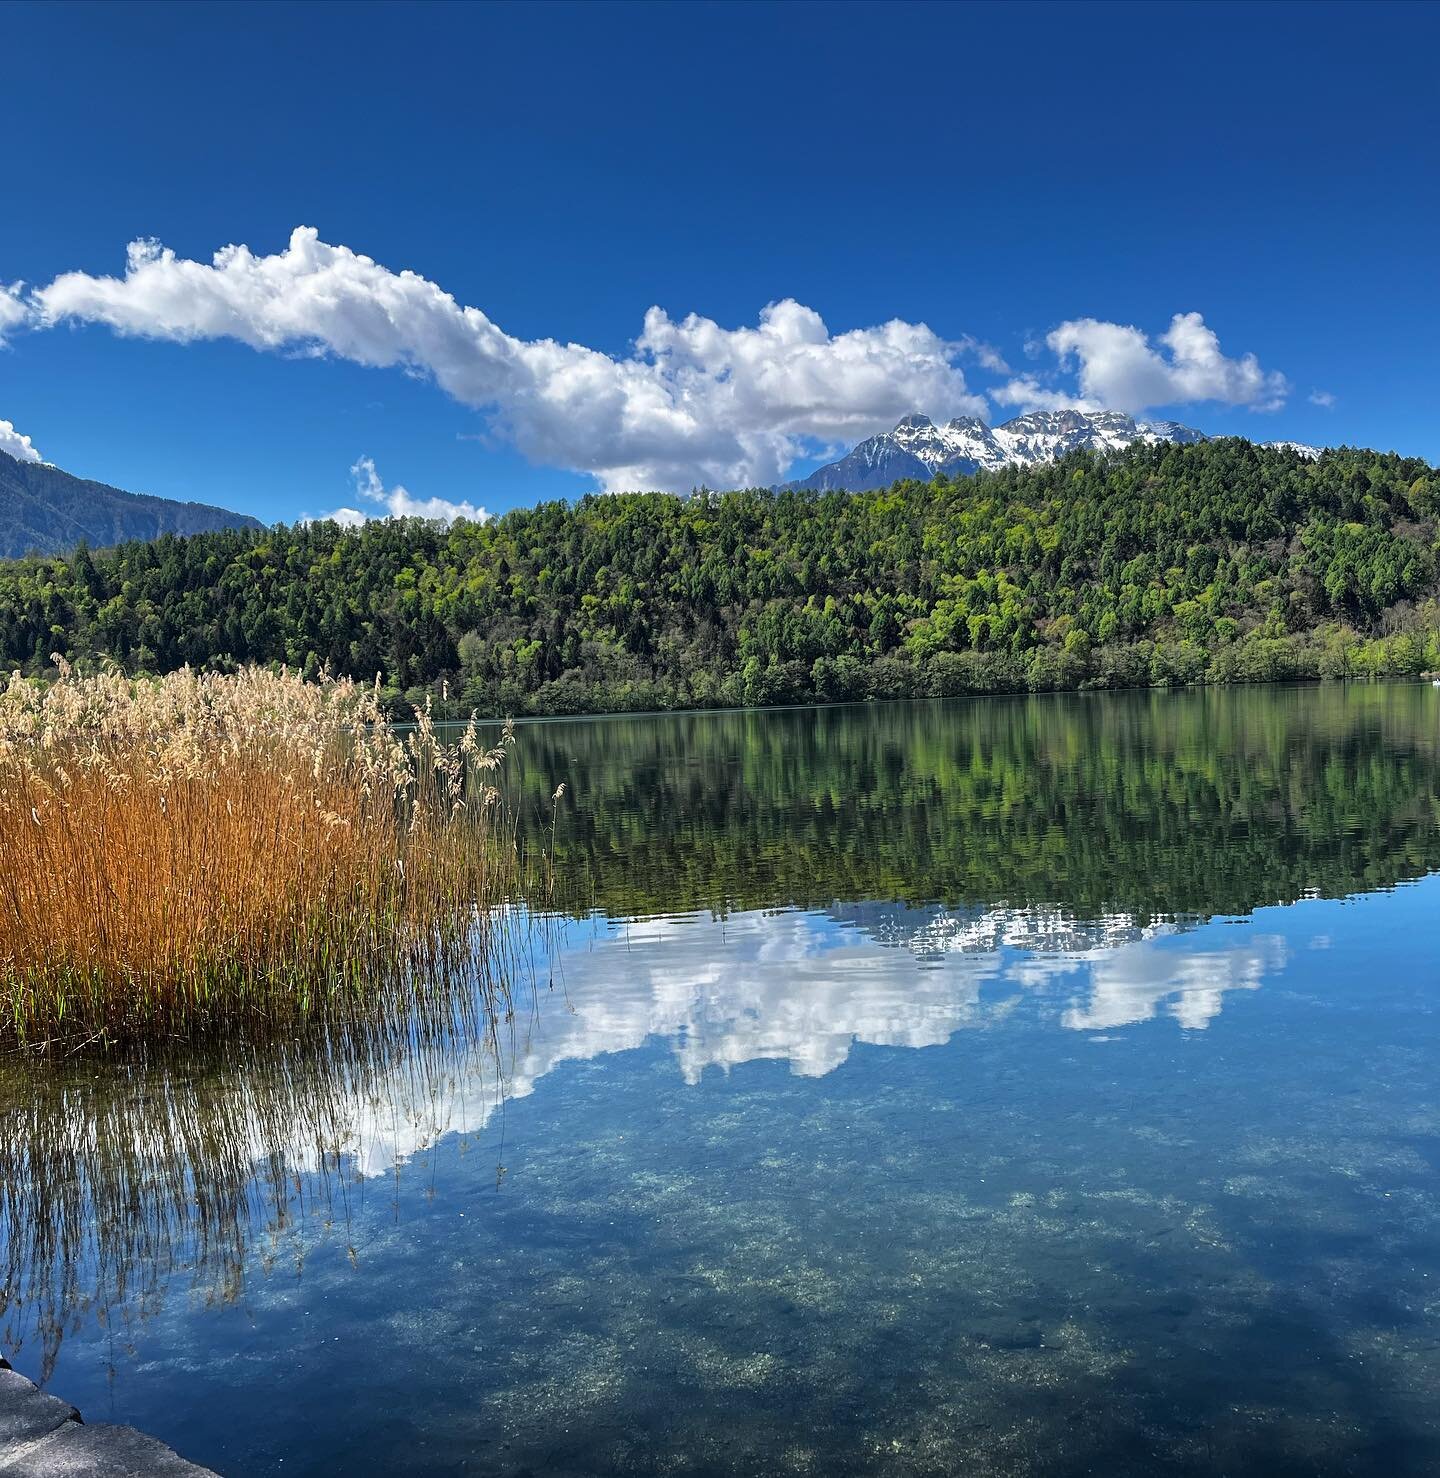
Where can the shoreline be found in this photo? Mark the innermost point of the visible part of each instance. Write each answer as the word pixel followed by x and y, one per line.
pixel 817 705
pixel 42 1435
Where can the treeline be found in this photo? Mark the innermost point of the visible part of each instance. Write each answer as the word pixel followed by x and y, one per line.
pixel 1167 565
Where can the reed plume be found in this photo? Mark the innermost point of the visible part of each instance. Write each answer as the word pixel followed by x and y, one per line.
pixel 219 850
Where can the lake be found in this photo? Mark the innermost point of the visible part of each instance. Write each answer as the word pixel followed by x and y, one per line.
pixel 1033 1086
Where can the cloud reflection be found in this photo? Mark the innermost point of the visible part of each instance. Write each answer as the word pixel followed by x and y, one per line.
pixel 219 1144
pixel 1132 983
pixel 804 988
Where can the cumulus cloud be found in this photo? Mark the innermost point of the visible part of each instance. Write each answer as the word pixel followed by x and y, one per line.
pixel 694 402
pixel 20 447
pixel 1323 398
pixel 691 402
pixel 1129 985
pixel 1120 369
pixel 397 502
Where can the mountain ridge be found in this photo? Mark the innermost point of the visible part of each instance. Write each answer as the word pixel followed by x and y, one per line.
pixel 46 510
pixel 964 445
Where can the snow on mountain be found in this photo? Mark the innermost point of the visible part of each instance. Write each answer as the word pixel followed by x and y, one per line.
pixel 1044 435
pixel 917 447
pixel 935 447
pixel 1153 431
pixel 1310 453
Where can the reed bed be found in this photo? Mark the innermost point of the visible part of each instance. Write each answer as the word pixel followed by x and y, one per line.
pixel 246 850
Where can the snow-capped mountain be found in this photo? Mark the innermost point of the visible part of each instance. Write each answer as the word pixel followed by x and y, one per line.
pixel 917 447
pixel 1310 453
pixel 1044 435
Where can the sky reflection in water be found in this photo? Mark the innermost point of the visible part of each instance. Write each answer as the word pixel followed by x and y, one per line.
pixel 1045 1181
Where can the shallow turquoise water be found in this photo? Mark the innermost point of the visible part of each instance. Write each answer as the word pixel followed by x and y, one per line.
pixel 1019 1087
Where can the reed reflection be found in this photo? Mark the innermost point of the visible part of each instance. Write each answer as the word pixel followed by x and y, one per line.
pixel 123 1178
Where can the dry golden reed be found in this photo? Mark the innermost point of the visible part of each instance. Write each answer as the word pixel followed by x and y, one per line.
pixel 203 850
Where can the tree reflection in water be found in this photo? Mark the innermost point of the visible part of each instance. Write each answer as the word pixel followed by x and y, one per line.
pixel 954 858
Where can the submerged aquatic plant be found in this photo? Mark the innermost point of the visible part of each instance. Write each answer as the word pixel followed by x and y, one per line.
pixel 203 850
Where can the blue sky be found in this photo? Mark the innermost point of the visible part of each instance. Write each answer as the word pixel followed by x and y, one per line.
pixel 1028 196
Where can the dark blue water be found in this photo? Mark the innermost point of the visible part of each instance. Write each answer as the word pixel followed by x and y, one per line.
pixel 796 1157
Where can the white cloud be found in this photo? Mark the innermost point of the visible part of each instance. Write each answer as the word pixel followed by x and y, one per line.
pixel 1322 398
pixel 1027 394
pixel 347 518
pixel 987 356
pixel 20 447
pixel 791 987
pixel 782 986
pixel 1130 984
pixel 1120 369
pixel 397 502
pixel 14 311
pixel 694 402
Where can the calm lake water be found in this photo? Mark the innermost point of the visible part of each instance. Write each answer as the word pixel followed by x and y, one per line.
pixel 1036 1086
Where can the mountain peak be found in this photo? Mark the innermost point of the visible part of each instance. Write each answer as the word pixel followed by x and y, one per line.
pixel 918 448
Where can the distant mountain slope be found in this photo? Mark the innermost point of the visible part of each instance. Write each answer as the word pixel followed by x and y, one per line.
pixel 46 511
pixel 919 448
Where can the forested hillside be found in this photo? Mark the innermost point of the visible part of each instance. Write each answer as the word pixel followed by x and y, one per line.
pixel 45 510
pixel 1222 561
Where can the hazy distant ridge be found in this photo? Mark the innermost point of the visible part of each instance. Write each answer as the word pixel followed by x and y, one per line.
pixel 44 510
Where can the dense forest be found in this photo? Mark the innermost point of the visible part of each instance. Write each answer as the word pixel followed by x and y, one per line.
pixel 1165 565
